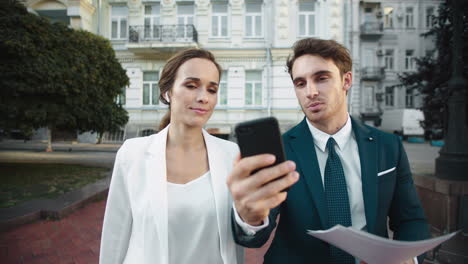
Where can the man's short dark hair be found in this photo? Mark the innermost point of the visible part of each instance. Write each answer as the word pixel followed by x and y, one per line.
pixel 327 49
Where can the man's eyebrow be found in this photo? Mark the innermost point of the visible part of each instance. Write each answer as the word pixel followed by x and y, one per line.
pixel 314 74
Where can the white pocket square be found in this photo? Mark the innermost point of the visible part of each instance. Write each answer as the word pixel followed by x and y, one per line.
pixel 386 171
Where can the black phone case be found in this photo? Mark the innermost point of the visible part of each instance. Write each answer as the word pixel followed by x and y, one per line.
pixel 260 136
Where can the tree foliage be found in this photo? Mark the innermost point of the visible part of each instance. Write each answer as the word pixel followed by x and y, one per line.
pixel 56 77
pixel 434 70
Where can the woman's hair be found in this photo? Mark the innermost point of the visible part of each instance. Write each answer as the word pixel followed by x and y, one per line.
pixel 169 74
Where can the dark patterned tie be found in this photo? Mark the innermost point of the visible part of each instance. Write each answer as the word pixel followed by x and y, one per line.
pixel 337 201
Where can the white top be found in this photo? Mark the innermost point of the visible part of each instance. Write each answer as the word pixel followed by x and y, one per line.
pixel 193 227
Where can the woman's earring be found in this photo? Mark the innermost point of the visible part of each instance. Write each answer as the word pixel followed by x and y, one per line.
pixel 166 95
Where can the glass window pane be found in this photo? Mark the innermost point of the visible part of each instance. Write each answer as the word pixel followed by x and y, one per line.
pixel 147 22
pixel 114 29
pixel 311 25
pixel 150 76
pixel 223 93
pixel 306 6
pixel 248 93
pixel 214 26
pixel 224 76
pixel 190 20
pixel 253 7
pixel 152 9
pixel 258 93
pixel 155 94
pixel 253 75
pixel 224 26
pixel 146 94
pixel 248 25
pixel 123 28
pixel 185 9
pixel 219 8
pixel 123 96
pixel 258 25
pixel 119 11
pixel 302 25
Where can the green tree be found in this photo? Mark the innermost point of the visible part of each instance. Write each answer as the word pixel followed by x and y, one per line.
pixel 434 70
pixel 56 77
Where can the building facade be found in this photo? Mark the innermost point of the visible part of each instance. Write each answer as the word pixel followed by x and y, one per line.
pixel 251 40
pixel 385 38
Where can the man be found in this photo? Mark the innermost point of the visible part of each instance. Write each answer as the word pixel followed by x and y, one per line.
pixel 350 174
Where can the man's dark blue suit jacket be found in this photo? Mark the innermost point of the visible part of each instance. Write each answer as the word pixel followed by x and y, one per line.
pixel 391 196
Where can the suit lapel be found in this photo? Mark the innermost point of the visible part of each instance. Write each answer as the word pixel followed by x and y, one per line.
pixel 303 144
pixel 155 170
pixel 368 156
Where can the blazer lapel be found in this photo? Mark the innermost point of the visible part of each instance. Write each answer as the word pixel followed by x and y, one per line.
pixel 303 144
pixel 218 169
pixel 368 155
pixel 155 170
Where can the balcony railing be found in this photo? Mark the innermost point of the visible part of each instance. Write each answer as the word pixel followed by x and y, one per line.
pixel 162 33
pixel 372 73
pixel 372 28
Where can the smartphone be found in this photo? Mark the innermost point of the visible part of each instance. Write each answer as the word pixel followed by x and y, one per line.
pixel 260 136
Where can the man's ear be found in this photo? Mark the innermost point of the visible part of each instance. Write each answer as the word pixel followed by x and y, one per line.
pixel 347 81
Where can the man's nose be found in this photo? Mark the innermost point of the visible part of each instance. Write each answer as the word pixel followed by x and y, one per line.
pixel 312 90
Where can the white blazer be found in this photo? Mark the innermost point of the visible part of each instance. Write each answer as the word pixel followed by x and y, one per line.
pixel 135 228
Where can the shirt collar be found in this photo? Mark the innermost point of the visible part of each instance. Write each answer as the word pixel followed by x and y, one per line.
pixel 341 137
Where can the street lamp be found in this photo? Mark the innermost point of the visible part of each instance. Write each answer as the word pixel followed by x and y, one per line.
pixel 452 163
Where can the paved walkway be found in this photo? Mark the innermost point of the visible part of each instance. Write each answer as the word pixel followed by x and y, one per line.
pixel 76 238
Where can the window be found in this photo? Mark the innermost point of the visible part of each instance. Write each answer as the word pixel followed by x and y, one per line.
pixel 219 20
pixel 409 60
pixel 409 98
pixel 119 22
pixel 253 20
pixel 369 96
pixel 185 15
pixel 429 16
pixel 120 99
pixel 409 17
pixel 430 53
pixel 150 88
pixel 152 21
pixel 388 59
pixel 253 88
pixel 389 96
pixel 222 92
pixel 147 132
pixel 307 18
pixel 388 17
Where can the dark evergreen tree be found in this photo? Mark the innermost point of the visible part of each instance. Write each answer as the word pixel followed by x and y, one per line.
pixel 434 70
pixel 56 77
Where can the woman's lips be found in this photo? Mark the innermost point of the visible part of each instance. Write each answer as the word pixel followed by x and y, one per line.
pixel 199 110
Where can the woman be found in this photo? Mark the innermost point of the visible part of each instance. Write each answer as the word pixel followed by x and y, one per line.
pixel 168 201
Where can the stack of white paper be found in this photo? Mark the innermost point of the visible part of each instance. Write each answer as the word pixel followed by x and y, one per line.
pixel 374 249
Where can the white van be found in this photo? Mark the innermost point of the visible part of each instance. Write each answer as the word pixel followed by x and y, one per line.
pixel 403 122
